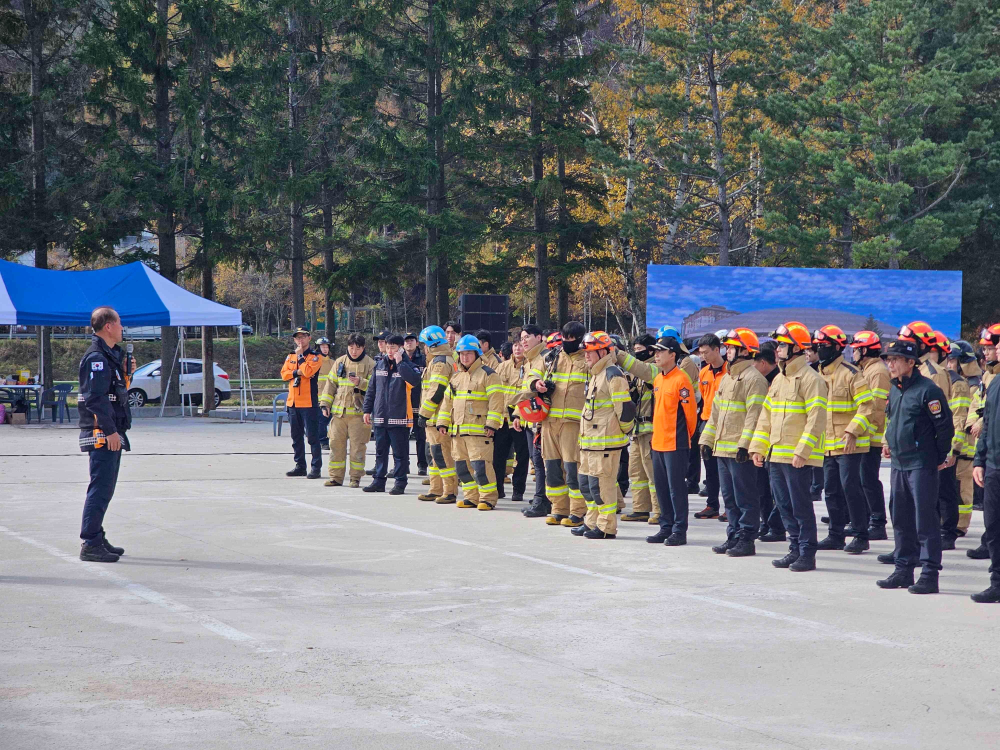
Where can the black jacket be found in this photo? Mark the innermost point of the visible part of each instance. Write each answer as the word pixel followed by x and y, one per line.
pixel 419 362
pixel 988 445
pixel 388 399
pixel 919 427
pixel 103 403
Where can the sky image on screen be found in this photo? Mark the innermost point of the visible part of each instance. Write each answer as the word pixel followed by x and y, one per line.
pixel 701 299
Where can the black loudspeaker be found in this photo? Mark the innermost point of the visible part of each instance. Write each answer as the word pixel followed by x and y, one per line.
pixel 486 311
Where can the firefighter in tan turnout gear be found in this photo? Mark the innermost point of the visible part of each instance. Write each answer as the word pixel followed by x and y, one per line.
pixel 607 418
pixel 473 409
pixel 437 374
pixel 342 400
pixel 962 363
pixel 867 356
pixel 640 467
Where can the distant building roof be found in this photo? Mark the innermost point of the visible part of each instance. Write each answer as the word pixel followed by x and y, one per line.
pixel 765 321
pixel 704 316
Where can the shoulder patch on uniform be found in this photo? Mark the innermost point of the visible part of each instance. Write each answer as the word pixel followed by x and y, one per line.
pixel 614 371
pixel 685 393
pixel 934 407
pixel 97 365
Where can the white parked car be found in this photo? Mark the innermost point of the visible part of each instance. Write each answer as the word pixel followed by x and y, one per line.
pixel 146 383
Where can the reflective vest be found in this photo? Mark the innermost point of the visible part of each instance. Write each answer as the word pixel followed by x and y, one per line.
pixel 735 408
pixel 849 406
pixel 793 420
pixel 473 401
pixel 608 411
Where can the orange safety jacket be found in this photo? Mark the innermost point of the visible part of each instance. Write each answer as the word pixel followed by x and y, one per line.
pixel 308 364
pixel 675 414
pixel 708 384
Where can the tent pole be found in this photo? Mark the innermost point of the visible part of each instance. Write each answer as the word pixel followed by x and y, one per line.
pixel 163 398
pixel 243 380
pixel 180 379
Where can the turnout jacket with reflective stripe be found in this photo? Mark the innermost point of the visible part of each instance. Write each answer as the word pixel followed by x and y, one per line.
pixel 877 375
pixel 979 394
pixel 793 420
pixel 959 403
pixel 849 407
pixel 511 375
pixel 473 401
pixel 436 376
pixel 735 408
pixel 570 377
pixel 988 445
pixel 675 413
pixel 339 394
pixel 608 411
pixel 937 373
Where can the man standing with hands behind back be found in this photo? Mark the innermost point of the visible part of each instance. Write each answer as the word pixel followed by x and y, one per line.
pixel 301 372
pixel 104 420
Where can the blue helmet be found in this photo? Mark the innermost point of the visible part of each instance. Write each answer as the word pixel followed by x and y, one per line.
pixel 672 333
pixel 433 336
pixel 469 343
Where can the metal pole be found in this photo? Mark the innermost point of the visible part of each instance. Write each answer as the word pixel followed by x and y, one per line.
pixel 243 380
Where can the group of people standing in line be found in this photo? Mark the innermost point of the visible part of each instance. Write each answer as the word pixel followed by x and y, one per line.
pixel 778 425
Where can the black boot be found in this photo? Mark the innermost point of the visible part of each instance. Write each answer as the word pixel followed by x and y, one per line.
pixel 298 471
pixel 580 530
pixel 721 549
pixel 857 546
pixel 773 536
pixel 887 559
pixel 676 539
pixel 397 489
pixel 596 533
pixel 111 548
pixel 898 579
pixel 804 563
pixel 539 508
pixel 830 544
pixel 313 474
pixel 787 560
pixel 96 553
pixel 979 553
pixel 658 538
pixel 375 487
pixel 989 596
pixel 742 548
pixel 926 584
pixel 517 497
pixel 947 543
pixel 849 530
pixel 877 534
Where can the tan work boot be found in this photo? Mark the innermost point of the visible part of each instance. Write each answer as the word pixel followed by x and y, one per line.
pixel 445 500
pixel 427 497
pixel 654 520
pixel 332 483
pixel 355 483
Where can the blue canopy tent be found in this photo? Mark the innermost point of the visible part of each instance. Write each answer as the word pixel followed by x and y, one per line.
pixel 40 297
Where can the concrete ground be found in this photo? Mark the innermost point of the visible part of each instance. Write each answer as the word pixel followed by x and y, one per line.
pixel 255 611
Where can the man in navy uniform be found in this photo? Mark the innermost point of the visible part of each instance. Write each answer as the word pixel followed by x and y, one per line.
pixel 104 419
pixel 918 437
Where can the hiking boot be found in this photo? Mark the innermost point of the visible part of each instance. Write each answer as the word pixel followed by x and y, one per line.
pixel 332 483
pixel 654 519
pixel 926 584
pixel 636 517
pixel 707 512
pixel 313 475
pixel 463 503
pixel 554 519
pixel 112 548
pixel 989 596
pixel 787 560
pixel 830 543
pixel 658 538
pixel 572 521
pixel 298 471
pixel 598 534
pixel 355 483
pixel 485 506
pixel 857 546
pixel 742 548
pixel 445 500
pixel 397 489
pixel 427 497
pixel 887 559
pixel 947 543
pixel 580 530
pixel 877 534
pixel 898 579
pixel 721 549
pixel 676 540
pixel 96 553
pixel 375 487
pixel 979 553
pixel 773 536
pixel 804 563
pixel 517 497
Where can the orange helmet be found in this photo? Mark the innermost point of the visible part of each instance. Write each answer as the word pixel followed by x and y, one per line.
pixel 832 334
pixel 918 331
pixel 554 340
pixel 867 340
pixel 597 340
pixel 942 343
pixel 990 336
pixel 793 333
pixel 534 409
pixel 742 337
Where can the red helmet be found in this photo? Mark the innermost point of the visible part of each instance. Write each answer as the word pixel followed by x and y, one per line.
pixel 793 333
pixel 990 336
pixel 553 340
pixel 831 334
pixel 867 340
pixel 742 337
pixel 918 331
pixel 942 343
pixel 597 340
pixel 534 409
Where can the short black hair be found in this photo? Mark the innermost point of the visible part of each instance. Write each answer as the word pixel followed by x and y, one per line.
pixel 454 324
pixel 767 352
pixel 574 329
pixel 532 330
pixel 394 338
pixel 645 339
pixel 483 335
pixel 711 340
pixel 506 350
pixel 356 339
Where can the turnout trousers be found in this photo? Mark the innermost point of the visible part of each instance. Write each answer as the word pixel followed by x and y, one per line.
pixel 640 472
pixel 599 485
pixel 474 464
pixel 444 479
pixel 561 453
pixel 966 487
pixel 350 427
pixel 790 487
pixel 916 524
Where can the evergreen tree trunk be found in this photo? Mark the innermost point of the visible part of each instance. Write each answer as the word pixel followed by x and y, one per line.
pixel 562 284
pixel 329 314
pixel 207 342
pixel 296 226
pixel 542 317
pixel 432 262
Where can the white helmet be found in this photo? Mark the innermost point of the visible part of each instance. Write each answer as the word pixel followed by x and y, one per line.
pixel 721 334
